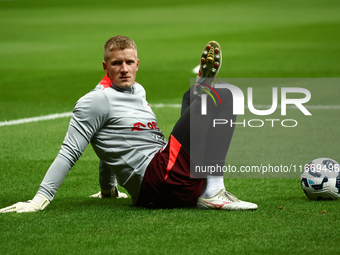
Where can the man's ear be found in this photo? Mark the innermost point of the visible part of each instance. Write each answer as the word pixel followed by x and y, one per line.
pixel 137 64
pixel 105 67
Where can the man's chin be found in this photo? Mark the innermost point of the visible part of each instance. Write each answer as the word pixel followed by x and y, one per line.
pixel 124 85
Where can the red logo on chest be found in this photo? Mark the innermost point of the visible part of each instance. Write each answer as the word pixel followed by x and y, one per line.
pixel 137 126
pixel 140 126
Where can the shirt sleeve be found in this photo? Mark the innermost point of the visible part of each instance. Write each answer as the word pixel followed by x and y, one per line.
pixel 107 179
pixel 89 115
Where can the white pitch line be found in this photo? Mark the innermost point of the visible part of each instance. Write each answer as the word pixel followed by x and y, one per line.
pixel 165 105
pixel 69 114
pixel 196 69
pixel 35 119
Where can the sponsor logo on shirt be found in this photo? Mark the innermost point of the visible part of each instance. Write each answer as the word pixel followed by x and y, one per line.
pixel 140 126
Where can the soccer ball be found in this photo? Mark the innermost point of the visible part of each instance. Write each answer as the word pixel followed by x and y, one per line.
pixel 320 179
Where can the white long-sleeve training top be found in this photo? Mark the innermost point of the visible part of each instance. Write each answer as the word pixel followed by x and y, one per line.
pixel 122 129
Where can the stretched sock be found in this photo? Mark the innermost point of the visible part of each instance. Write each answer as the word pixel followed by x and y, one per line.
pixel 214 185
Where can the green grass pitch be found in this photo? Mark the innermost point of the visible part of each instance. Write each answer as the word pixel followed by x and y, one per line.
pixel 51 53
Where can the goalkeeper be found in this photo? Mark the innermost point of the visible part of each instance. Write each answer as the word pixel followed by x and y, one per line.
pixel 120 125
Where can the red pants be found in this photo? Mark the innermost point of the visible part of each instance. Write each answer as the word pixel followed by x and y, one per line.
pixel 167 181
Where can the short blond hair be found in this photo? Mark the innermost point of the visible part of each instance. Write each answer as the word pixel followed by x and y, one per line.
pixel 118 42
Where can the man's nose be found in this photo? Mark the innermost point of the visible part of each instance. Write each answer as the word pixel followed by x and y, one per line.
pixel 124 68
